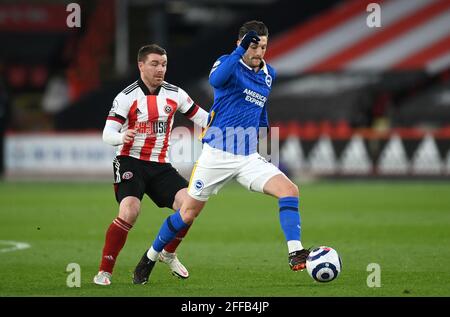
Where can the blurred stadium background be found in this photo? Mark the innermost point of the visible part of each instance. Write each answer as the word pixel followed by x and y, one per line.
pixel 350 100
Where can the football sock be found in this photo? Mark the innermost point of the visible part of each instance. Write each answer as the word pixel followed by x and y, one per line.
pixel 168 231
pixel 173 245
pixel 294 245
pixel 152 254
pixel 290 222
pixel 116 235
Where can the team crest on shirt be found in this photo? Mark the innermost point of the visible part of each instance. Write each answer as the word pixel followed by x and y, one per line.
pixel 127 175
pixel 198 184
pixel 268 80
pixel 168 109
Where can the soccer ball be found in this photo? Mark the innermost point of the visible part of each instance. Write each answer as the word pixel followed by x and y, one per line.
pixel 323 264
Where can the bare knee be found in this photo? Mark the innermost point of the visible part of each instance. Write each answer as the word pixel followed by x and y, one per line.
pixel 189 216
pixel 129 209
pixel 289 190
pixel 190 209
pixel 180 197
pixel 280 186
pixel 286 189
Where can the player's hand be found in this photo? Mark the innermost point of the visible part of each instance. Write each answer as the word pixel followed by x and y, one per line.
pixel 250 37
pixel 128 137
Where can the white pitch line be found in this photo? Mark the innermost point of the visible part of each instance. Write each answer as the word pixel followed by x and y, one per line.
pixel 14 246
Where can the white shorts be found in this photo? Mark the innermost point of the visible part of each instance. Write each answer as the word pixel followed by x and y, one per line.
pixel 215 168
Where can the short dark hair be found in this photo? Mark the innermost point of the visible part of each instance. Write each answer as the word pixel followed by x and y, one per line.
pixel 259 27
pixel 149 49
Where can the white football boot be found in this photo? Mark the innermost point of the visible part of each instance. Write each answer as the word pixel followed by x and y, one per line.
pixel 175 265
pixel 103 278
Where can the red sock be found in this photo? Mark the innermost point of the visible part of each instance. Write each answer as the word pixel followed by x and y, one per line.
pixel 114 242
pixel 173 245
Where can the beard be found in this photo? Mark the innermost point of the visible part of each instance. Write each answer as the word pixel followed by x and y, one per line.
pixel 156 81
pixel 252 62
pixel 255 62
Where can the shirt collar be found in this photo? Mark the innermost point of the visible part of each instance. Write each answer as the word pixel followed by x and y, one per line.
pixel 145 89
pixel 263 67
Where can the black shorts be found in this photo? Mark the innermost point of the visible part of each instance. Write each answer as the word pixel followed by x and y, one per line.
pixel 160 181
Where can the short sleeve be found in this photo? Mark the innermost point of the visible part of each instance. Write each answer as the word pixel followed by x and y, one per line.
pixel 121 106
pixel 184 101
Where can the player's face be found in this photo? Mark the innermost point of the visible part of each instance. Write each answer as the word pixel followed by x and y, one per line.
pixel 255 53
pixel 154 69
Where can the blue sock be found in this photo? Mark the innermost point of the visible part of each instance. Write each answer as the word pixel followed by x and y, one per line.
pixel 290 217
pixel 168 231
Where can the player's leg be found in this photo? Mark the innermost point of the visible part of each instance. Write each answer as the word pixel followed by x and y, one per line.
pixel 166 190
pixel 207 177
pixel 262 176
pixel 129 209
pixel 175 223
pixel 180 196
pixel 129 192
pixel 172 226
pixel 168 254
pixel 287 193
pixel 169 189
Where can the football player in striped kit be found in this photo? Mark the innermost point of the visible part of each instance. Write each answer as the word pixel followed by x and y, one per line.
pixel 242 82
pixel 139 126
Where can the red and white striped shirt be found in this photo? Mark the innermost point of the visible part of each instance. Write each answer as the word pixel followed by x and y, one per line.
pixel 152 115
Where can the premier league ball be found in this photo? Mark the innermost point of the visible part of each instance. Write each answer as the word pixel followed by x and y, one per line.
pixel 323 264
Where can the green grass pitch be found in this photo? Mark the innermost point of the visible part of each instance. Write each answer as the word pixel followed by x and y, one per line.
pixel 236 246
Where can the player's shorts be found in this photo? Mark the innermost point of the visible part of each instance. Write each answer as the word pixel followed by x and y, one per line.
pixel 134 177
pixel 215 168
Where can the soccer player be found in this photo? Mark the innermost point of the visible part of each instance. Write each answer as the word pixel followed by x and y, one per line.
pixel 242 82
pixel 139 125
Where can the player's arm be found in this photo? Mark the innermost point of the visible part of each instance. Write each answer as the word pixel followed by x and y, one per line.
pixel 191 110
pixel 197 115
pixel 224 66
pixel 115 121
pixel 113 136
